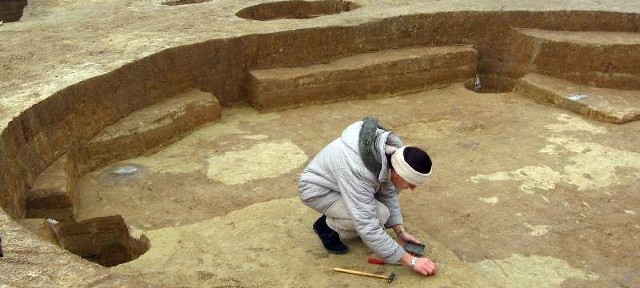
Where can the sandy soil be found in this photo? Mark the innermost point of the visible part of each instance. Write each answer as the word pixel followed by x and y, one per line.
pixel 528 195
pixel 531 195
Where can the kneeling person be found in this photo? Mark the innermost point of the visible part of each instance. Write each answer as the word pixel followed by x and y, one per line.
pixel 354 183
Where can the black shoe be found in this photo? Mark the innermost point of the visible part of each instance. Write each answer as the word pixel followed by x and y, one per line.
pixel 330 239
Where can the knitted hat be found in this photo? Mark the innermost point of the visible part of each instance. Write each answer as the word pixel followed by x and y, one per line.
pixel 412 164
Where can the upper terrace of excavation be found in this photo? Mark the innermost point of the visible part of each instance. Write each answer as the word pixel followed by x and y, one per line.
pixel 96 38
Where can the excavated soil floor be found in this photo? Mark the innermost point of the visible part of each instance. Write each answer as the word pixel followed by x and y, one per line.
pixel 522 194
pixel 529 195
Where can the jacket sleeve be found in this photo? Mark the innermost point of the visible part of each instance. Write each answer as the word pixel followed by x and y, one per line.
pixel 358 196
pixel 388 195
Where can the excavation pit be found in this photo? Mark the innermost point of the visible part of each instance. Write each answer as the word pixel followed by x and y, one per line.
pixel 295 9
pixel 182 2
pixel 518 178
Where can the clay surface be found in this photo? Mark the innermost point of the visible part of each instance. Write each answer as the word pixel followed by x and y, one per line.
pixel 274 236
pixel 521 182
pixel 523 194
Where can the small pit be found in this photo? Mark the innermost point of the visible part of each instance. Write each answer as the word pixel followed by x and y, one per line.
pixel 182 2
pixel 103 240
pixel 11 10
pixel 295 9
pixel 490 84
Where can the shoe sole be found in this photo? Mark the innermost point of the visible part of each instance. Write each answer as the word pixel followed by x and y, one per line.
pixel 337 252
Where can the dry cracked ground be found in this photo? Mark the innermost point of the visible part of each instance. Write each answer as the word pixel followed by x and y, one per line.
pixel 522 194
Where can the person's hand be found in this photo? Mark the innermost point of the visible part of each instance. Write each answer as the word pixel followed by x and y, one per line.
pixel 425 267
pixel 405 237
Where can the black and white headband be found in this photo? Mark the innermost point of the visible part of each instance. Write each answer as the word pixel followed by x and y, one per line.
pixel 405 170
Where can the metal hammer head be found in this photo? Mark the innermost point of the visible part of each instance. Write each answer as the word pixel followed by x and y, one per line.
pixel 391 277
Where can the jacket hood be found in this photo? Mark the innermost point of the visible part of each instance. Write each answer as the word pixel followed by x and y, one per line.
pixel 386 142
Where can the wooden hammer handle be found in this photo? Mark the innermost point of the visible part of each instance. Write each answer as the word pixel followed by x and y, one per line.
pixel 360 273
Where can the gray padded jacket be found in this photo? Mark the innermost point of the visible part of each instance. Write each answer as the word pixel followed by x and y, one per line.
pixel 339 167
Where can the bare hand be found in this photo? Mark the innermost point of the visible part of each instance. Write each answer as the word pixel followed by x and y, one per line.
pixel 425 267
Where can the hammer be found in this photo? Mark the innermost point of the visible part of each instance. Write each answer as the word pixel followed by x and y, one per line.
pixel 388 278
